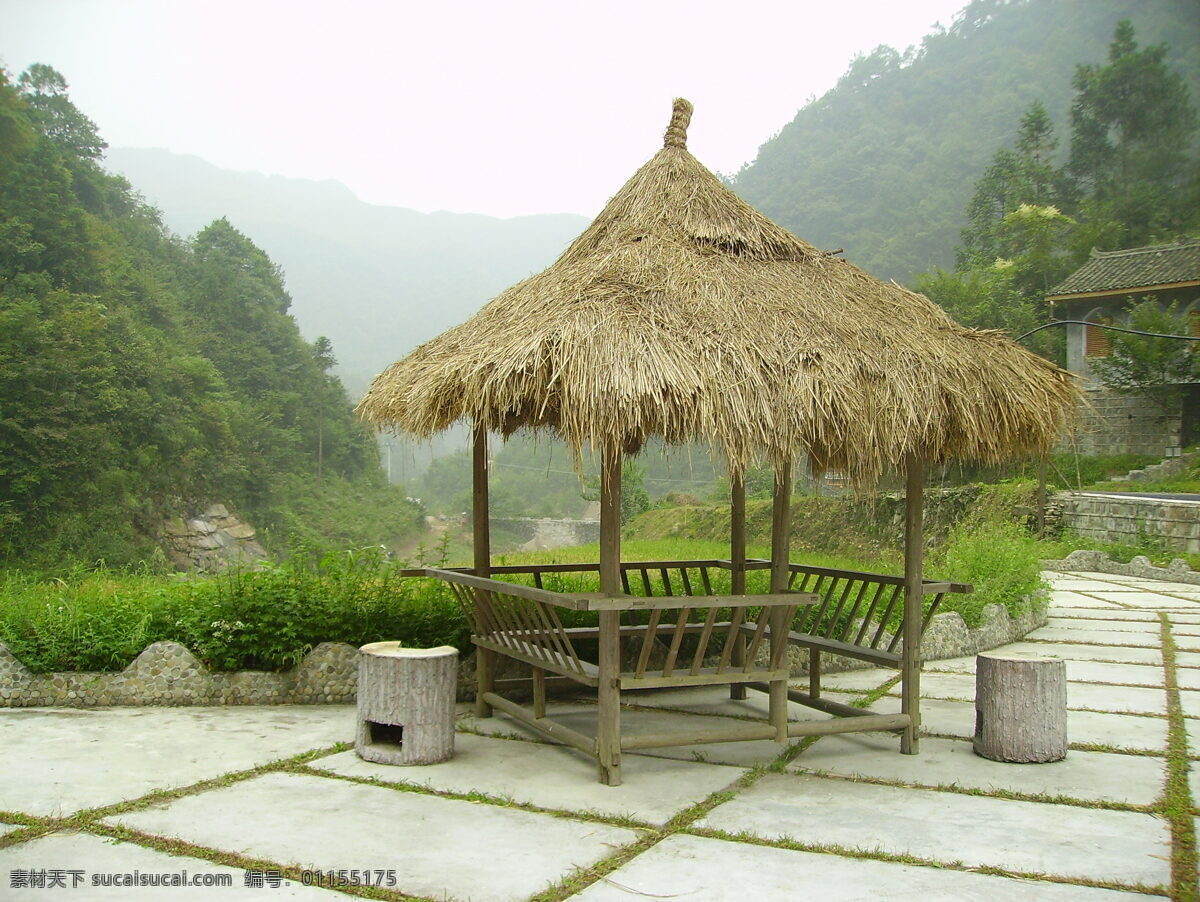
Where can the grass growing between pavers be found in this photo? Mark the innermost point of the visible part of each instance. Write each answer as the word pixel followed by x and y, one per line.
pixel 1176 803
pixel 915 860
pixel 90 821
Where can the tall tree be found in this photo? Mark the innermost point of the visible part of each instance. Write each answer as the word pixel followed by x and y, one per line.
pixel 45 90
pixel 1024 176
pixel 1132 128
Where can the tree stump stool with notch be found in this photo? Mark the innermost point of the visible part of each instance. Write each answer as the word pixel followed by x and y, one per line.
pixel 406 703
pixel 1020 709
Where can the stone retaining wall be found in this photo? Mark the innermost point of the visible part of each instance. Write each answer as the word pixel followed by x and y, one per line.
pixel 166 673
pixel 1115 423
pixel 1110 518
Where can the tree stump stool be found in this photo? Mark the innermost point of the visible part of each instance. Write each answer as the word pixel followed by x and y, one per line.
pixel 1020 709
pixel 406 703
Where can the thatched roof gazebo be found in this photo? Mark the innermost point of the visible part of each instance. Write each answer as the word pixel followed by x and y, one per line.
pixel 683 313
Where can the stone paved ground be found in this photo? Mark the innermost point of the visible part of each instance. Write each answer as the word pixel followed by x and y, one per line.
pixel 257 795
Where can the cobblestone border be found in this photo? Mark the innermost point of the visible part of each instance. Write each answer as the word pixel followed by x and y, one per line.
pixel 166 673
pixel 1177 571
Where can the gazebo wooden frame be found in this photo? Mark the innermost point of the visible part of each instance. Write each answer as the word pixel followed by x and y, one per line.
pixel 841 611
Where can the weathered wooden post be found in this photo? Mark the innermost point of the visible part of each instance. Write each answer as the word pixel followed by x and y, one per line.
pixel 1020 708
pixel 608 729
pixel 406 703
pixel 914 598
pixel 737 566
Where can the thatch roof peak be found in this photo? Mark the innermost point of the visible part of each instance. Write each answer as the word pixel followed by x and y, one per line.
pixel 681 118
pixel 682 312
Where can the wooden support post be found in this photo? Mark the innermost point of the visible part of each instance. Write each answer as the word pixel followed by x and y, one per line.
pixel 737 562
pixel 1041 498
pixel 1020 708
pixel 781 540
pixel 910 664
pixel 485 659
pixel 608 729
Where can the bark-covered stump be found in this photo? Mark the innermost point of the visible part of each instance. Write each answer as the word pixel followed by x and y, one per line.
pixel 1020 709
pixel 406 703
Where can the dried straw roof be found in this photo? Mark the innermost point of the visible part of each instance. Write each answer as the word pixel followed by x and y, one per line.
pixel 683 312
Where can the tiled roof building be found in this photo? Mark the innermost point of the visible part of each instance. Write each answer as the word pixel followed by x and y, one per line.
pixel 1136 269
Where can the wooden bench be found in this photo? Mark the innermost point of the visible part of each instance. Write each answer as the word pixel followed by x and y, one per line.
pixel 671 627
pixel 643 642
pixel 851 620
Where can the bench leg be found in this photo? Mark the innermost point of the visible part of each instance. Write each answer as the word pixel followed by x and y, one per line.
pixel 737 659
pixel 778 697
pixel 814 672
pixel 539 692
pixel 608 728
pixel 485 679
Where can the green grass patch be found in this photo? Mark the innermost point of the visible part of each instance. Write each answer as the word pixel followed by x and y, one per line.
pixel 241 620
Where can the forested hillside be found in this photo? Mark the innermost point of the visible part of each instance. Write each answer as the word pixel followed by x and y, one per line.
pixel 140 373
pixel 885 163
pixel 376 280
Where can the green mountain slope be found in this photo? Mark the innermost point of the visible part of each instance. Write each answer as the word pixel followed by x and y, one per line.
pixel 376 280
pixel 883 165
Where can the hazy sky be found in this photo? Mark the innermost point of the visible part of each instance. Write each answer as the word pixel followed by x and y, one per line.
pixel 503 108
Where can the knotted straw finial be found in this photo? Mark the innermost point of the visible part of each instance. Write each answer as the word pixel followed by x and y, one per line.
pixel 681 115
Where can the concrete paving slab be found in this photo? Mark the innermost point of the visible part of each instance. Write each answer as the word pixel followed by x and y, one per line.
pixel 1119 731
pixel 1092 696
pixel 1187 643
pixel 1078 599
pixel 1182 617
pixel 1086 776
pixel 1025 837
pixel 1077 671
pixel 964 664
pixel 438 847
pixel 858 681
pixel 654 789
pixel 1089 614
pixel 1071 583
pixel 1120 579
pixel 1072 652
pixel 1187 659
pixel 694 868
pixel 638 722
pixel 1185 629
pixel 1118 699
pixel 1190 703
pixel 1163 585
pixel 107 861
pixel 1141 627
pixel 57 761
pixel 1187 677
pixel 944 685
pixel 1093 636
pixel 1147 600
pixel 713 701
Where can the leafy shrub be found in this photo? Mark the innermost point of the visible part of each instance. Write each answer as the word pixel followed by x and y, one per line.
pixel 266 619
pixel 999 558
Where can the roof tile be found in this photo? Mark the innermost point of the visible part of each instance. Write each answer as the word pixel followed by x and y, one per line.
pixel 1134 269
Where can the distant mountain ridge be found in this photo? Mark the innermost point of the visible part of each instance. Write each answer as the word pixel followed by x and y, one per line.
pixel 376 280
pixel 884 164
